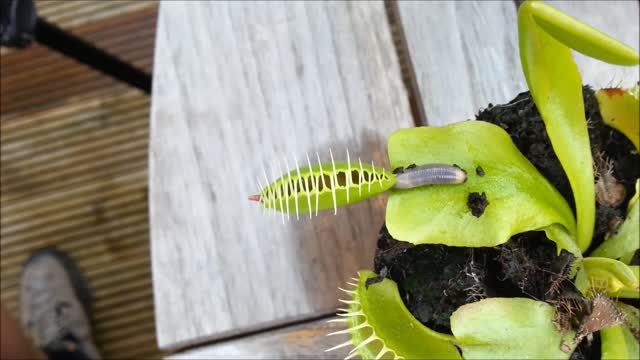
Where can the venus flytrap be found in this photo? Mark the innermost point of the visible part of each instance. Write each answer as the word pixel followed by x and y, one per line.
pixel 546 37
pixel 517 199
pixel 381 326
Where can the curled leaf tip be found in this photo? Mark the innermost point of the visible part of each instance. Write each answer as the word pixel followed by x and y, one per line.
pixel 620 110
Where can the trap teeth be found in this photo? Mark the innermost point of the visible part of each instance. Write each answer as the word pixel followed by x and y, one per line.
pixel 348 302
pixel 364 343
pixel 350 292
pixel 337 321
pixel 350 330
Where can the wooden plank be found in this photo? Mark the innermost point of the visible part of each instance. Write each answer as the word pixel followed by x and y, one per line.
pixel 36 77
pixel 237 86
pixel 464 54
pixel 90 156
pixel 70 14
pixel 618 19
pixel 306 341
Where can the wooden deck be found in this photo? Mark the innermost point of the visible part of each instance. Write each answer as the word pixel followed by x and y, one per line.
pixel 74 168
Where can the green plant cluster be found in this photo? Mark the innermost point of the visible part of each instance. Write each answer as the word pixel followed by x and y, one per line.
pixel 521 200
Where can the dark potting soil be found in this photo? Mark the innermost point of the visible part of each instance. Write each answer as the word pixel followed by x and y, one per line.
pixel 435 280
pixel 612 152
pixel 588 349
pixel 635 259
pixel 477 203
pixel 526 266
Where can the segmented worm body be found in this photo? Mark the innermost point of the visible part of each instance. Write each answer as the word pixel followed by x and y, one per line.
pixel 430 174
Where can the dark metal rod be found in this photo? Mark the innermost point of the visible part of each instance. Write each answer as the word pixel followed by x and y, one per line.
pixel 74 47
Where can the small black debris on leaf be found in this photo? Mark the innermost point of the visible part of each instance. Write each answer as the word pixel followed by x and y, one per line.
pixel 479 171
pixel 398 170
pixel 411 166
pixel 477 203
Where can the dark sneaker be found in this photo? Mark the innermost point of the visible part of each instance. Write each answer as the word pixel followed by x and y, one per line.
pixel 55 306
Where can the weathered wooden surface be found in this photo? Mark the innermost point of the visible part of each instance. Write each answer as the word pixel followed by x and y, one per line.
pixel 236 86
pixel 308 341
pixel 465 53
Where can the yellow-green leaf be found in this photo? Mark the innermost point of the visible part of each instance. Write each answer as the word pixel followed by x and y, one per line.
pixel 509 328
pixel 618 342
pixel 620 109
pixel 614 277
pixel 545 38
pixel 520 198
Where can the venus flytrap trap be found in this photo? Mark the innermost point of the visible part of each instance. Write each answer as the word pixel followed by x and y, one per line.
pixel 324 186
pixel 380 325
pixel 467 188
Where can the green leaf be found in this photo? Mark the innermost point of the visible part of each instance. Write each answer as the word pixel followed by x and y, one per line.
pixel 624 243
pixel 620 109
pixel 509 328
pixel 614 277
pixel 618 342
pixel 579 36
pixel 636 196
pixel 520 198
pixel 545 38
pixel 381 325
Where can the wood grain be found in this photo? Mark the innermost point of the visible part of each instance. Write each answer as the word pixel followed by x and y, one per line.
pixel 307 341
pixel 75 177
pixel 70 14
pixel 237 86
pixel 465 53
pixel 38 78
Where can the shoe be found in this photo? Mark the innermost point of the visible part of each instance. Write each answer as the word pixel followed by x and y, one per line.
pixel 55 306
